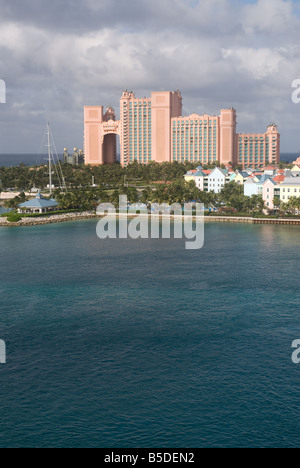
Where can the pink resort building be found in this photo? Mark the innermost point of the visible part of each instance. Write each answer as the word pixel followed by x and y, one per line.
pixel 153 129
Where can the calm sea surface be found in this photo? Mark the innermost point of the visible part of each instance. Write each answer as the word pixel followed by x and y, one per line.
pixel 10 160
pixel 124 343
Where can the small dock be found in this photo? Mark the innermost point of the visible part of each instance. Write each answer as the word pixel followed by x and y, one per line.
pixel 233 219
pixel 293 222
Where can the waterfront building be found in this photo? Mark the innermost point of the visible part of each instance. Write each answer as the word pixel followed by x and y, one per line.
pixel 154 129
pixel 251 187
pixel 270 184
pixel 270 190
pixel 296 170
pixel 216 180
pixel 209 180
pixel 289 188
pixel 279 186
pixel 190 175
pixel 199 178
pixel 39 204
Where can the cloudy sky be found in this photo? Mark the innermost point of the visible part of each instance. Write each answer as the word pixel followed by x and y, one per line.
pixel 57 56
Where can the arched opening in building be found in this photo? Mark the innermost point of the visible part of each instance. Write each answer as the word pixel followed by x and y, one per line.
pixel 111 148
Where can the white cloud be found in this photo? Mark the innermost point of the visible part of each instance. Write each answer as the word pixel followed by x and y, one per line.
pixel 219 53
pixel 260 63
pixel 271 16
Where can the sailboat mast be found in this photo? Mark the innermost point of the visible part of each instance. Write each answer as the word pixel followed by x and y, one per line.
pixel 49 160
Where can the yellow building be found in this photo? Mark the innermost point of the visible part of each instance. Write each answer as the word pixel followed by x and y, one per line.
pixel 189 176
pixel 289 188
pixel 295 169
pixel 239 179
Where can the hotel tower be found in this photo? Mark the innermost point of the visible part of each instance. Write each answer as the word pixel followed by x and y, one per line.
pixel 153 129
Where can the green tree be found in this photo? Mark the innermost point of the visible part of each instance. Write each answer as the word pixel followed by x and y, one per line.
pixel 293 205
pixel 276 202
pixel 13 217
pixel 258 203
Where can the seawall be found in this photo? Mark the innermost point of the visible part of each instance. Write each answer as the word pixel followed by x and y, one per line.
pixel 91 215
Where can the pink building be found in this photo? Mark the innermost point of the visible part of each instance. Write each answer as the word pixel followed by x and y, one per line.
pixel 153 129
pixel 259 149
pixel 269 191
pixel 204 138
pixel 100 136
pixel 145 126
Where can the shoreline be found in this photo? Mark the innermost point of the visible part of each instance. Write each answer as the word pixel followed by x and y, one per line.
pixel 91 215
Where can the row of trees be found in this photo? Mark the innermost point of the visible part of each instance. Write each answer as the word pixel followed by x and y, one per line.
pixel 232 196
pixel 24 178
pixel 176 190
pixel 291 206
pixel 14 202
pixel 179 191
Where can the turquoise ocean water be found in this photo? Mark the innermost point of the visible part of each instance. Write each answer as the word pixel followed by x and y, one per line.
pixel 124 343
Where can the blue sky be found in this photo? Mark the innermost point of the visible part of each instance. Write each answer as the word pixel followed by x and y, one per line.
pixel 58 56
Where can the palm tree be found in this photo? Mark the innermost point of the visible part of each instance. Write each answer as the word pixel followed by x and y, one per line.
pixel 258 204
pixel 147 195
pixel 294 205
pixel 284 207
pixel 297 204
pixel 276 202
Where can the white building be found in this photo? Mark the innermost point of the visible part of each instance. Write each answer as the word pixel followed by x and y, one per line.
pixel 199 178
pixel 216 180
pixel 251 188
pixel 38 205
